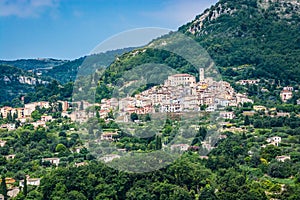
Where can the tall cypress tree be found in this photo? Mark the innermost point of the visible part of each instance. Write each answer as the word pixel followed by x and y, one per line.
pixel 201 133
pixel 158 144
pixel 25 189
pixel 15 116
pixel 9 117
pixel 247 120
pixel 3 188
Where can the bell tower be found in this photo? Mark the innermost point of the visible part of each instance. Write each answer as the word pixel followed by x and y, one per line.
pixel 201 74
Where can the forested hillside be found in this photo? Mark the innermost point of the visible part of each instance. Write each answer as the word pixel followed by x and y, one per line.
pixel 34 64
pixel 262 34
pixel 16 82
pixel 246 39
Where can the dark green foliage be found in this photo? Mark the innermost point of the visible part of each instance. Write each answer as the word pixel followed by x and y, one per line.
pixel 25 188
pixel 247 121
pixel 53 91
pixel 3 188
pixel 279 170
pixel 261 38
pixel 33 64
pixel 134 116
pixel 158 143
pixel 10 86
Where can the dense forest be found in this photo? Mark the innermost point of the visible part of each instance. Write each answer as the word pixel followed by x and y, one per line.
pixel 239 168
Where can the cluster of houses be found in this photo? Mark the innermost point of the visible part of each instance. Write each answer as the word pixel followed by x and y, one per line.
pixel 179 93
pixel 13 191
pixel 23 115
pixel 11 182
pixel 276 140
pixel 285 94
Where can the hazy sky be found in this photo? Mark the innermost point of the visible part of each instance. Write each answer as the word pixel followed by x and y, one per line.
pixel 68 29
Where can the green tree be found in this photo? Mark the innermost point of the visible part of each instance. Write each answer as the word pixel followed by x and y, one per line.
pixel 110 115
pixel 147 117
pixel 158 143
pixel 97 114
pixel 25 189
pixel 202 132
pixel 75 195
pixel 81 106
pixel 134 116
pixel 60 148
pixel 36 115
pixel 9 117
pixel 279 170
pixel 15 116
pixel 270 152
pixel 3 189
pixel 208 193
pixel 246 120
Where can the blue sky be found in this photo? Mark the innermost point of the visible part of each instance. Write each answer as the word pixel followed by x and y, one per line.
pixel 68 29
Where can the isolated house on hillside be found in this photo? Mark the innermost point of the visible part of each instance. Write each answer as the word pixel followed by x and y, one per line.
pixel 108 136
pixel 30 181
pixel 2 143
pixel 283 158
pixel 286 95
pixel 274 140
pixel 53 161
pixel 180 147
pixel 110 157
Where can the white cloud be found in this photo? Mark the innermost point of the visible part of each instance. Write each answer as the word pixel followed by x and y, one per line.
pixel 178 12
pixel 26 8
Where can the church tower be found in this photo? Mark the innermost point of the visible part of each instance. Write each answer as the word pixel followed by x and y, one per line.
pixel 201 74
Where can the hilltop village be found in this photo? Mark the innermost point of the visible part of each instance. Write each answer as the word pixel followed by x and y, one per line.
pixel 179 93
pixel 63 134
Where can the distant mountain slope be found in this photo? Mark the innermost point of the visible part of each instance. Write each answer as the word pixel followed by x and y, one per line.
pixel 15 82
pixel 68 71
pixel 20 77
pixel 34 64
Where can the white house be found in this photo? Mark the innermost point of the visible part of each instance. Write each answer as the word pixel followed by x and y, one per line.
pixel 286 95
pixel 180 147
pixel 30 181
pixel 53 161
pixel 2 143
pixel 288 88
pixel 109 157
pixel 108 136
pixel 274 140
pixel 210 108
pixel 13 192
pixel 283 158
pixel 250 82
pixel 80 164
pixel 77 149
pixel 259 108
pixel 11 156
pixel 46 118
pixel 227 115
